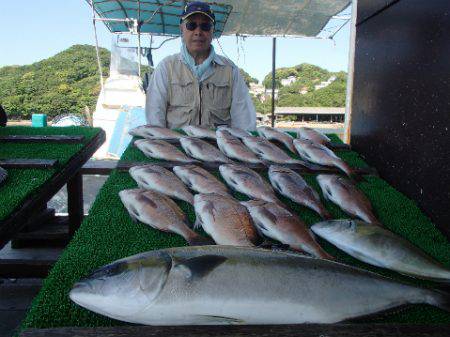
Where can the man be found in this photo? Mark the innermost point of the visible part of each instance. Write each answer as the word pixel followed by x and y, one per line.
pixel 197 86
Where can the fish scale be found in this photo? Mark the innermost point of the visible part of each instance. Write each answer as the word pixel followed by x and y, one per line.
pixel 291 185
pixel 225 220
pixel 159 179
pixel 248 182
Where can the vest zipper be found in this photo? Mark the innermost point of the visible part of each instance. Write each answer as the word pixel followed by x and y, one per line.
pixel 200 110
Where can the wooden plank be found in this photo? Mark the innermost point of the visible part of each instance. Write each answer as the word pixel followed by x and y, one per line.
pixel 16 268
pixel 39 218
pixel 301 330
pixel 75 202
pixel 62 139
pixel 23 163
pixel 301 168
pixel 16 220
pixel 54 233
pixel 101 167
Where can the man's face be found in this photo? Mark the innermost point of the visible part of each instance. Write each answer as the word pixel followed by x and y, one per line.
pixel 197 40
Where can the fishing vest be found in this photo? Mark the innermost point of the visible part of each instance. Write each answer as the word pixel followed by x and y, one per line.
pixel 192 103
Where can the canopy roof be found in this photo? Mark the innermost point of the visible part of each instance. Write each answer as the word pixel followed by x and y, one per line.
pixel 233 17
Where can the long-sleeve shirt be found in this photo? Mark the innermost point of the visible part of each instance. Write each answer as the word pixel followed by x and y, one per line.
pixel 242 111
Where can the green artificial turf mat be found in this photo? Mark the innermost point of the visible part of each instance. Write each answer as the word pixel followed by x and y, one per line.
pixel 23 182
pixel 109 234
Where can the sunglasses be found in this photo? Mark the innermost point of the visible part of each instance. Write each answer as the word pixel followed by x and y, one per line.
pixel 205 26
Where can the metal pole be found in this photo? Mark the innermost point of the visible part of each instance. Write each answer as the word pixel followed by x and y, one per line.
pixel 351 68
pixel 96 47
pixel 274 48
pixel 139 35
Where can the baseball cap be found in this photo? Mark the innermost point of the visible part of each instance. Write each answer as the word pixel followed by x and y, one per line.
pixel 198 7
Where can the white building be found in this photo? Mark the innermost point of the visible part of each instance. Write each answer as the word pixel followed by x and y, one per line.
pixel 325 83
pixel 288 81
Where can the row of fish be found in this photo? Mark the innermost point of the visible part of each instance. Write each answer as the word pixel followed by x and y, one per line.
pixel 156 132
pixel 222 217
pixel 222 285
pixel 235 144
pixel 228 223
pixel 245 180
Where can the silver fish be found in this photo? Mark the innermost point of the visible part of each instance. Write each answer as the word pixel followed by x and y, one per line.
pixel 347 196
pixel 248 182
pixel 320 154
pixel 202 150
pixel 233 148
pixel 274 134
pixel 221 285
pixel 159 212
pixel 382 248
pixel 159 179
pixel 313 135
pixel 199 131
pixel 277 223
pixel 236 132
pixel 225 220
pixel 3 175
pixel 200 180
pixel 159 149
pixel 155 132
pixel 265 150
pixel 291 185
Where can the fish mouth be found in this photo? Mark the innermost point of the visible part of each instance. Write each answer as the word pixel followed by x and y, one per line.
pixel 82 293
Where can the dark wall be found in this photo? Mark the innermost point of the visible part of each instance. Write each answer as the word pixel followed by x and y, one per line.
pixel 401 98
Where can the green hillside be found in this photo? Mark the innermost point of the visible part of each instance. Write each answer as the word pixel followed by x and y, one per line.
pixel 307 77
pixel 64 83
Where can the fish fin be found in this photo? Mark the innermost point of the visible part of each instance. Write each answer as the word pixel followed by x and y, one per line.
pixel 134 214
pixel 265 162
pixel 217 320
pixel 327 193
pixel 266 244
pixel 198 222
pixel 199 240
pixel 198 267
pixel 325 214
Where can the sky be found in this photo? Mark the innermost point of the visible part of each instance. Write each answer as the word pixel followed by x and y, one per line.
pixel 37 29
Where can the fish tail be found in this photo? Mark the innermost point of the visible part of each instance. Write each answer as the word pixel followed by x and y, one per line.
pixel 439 298
pixel 314 250
pixel 345 168
pixel 198 240
pixel 190 199
pixel 323 212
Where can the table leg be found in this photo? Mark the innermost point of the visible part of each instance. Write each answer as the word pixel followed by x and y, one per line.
pixel 75 202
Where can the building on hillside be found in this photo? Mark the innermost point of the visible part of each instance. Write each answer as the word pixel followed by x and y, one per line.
pixel 268 93
pixel 317 114
pixel 288 81
pixel 256 89
pixel 325 83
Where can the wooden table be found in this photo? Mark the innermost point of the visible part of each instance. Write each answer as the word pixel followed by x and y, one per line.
pixel 302 330
pixel 35 204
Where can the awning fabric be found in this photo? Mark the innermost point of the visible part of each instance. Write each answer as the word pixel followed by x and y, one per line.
pixel 234 17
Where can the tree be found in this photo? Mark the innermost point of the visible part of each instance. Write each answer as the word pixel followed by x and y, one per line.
pixel 247 78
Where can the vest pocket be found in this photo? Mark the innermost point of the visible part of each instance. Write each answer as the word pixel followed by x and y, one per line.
pixel 182 93
pixel 221 94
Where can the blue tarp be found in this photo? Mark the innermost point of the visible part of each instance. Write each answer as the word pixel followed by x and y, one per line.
pixel 127 120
